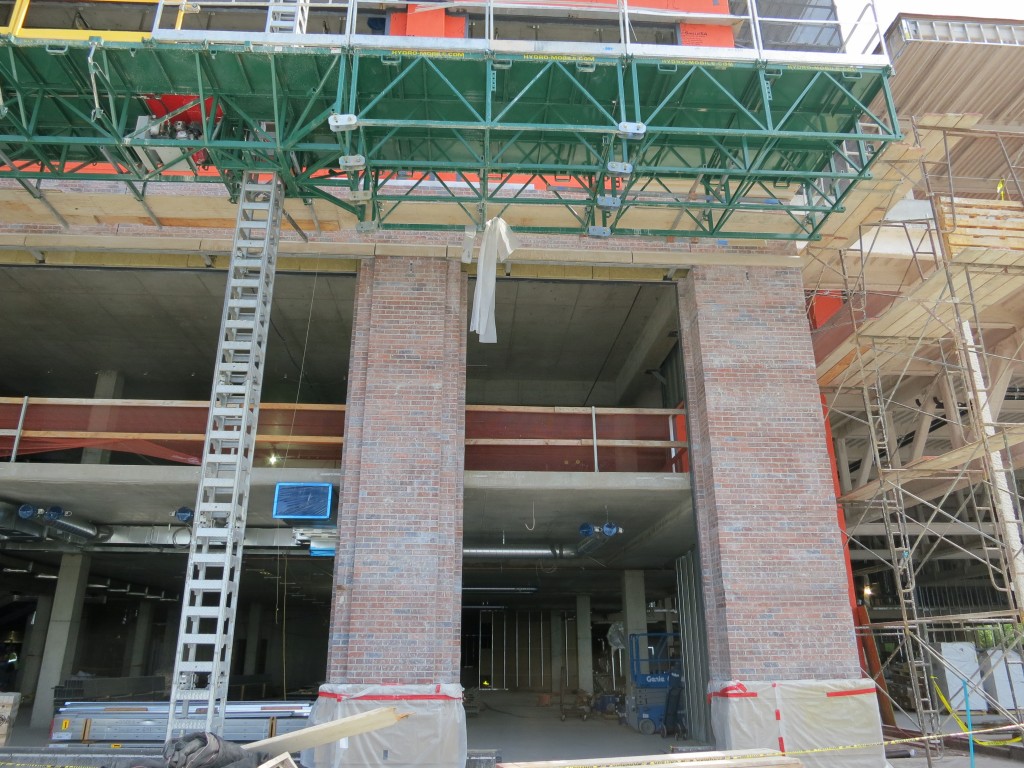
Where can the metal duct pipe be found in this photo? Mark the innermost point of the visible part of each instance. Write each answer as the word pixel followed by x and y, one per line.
pixel 13 526
pixel 517 552
pixel 56 517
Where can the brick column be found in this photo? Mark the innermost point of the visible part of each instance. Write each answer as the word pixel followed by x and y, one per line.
pixel 398 569
pixel 775 591
pixel 774 574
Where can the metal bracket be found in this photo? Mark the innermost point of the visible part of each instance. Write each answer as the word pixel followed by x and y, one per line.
pixel 599 231
pixel 366 226
pixel 609 202
pixel 342 123
pixel 631 131
pixel 352 162
pixel 619 169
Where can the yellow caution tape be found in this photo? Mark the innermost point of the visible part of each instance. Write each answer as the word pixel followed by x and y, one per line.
pixel 963 725
pixel 692 757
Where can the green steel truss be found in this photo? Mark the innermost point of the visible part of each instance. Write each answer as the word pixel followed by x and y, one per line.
pixel 551 142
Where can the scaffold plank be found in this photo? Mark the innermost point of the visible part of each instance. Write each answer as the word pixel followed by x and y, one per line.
pixel 929 466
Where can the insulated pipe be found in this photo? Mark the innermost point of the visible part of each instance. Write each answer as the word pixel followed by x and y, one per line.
pixel 11 521
pixel 517 552
pixel 55 517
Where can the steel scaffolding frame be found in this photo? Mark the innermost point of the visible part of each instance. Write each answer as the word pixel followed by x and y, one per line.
pixel 934 499
pixel 630 139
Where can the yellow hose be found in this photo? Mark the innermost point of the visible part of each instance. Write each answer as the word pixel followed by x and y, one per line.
pixel 963 725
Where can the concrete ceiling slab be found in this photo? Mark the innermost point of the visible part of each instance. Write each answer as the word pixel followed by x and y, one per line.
pixel 559 343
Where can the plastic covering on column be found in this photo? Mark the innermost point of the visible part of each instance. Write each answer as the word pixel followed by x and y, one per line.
pixel 798 715
pixel 433 735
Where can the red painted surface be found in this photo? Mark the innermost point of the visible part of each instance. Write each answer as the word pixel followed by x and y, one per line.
pixel 169 102
pixel 822 305
pixel 426 21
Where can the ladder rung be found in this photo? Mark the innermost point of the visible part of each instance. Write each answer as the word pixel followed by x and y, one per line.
pixel 193 694
pixel 200 639
pixel 203 612
pixel 207 585
pixel 219 482
pixel 195 666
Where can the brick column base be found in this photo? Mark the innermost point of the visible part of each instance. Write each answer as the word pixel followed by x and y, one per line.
pixel 433 736
pixel 817 719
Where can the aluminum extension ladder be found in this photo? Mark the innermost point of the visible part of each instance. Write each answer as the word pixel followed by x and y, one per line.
pixel 199 687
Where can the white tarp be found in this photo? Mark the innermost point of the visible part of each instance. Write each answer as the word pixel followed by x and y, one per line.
pixel 798 715
pixel 495 247
pixel 433 736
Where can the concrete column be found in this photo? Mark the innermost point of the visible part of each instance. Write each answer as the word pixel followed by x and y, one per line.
pixel 62 636
pixel 140 639
pixel 252 638
pixel 584 644
pixel 557 652
pixel 169 648
pixel 398 570
pixel 634 614
pixel 755 412
pixel 109 386
pixel 32 649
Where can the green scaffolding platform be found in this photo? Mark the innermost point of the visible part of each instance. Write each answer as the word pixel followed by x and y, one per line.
pixel 444 139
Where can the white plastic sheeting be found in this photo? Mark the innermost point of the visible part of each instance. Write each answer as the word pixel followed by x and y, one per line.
pixel 798 715
pixel 434 734
pixel 498 242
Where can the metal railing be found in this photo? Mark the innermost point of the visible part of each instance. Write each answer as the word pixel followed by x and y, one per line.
pixel 497 437
pixel 598 27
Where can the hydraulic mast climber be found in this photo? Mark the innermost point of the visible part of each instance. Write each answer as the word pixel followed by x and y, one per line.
pixel 199 688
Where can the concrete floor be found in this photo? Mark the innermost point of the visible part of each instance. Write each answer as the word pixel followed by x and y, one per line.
pixel 520 729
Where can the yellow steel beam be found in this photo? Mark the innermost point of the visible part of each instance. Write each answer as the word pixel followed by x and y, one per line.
pixel 16 26
pixel 17 18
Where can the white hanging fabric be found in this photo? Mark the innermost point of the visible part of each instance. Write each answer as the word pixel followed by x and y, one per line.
pixel 498 242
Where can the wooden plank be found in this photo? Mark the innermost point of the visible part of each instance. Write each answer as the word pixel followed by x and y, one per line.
pixel 93 435
pixel 931 465
pixel 968 240
pixel 565 409
pixel 741 758
pixel 325 733
pixel 181 437
pixel 281 761
pixel 300 407
pixel 523 442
